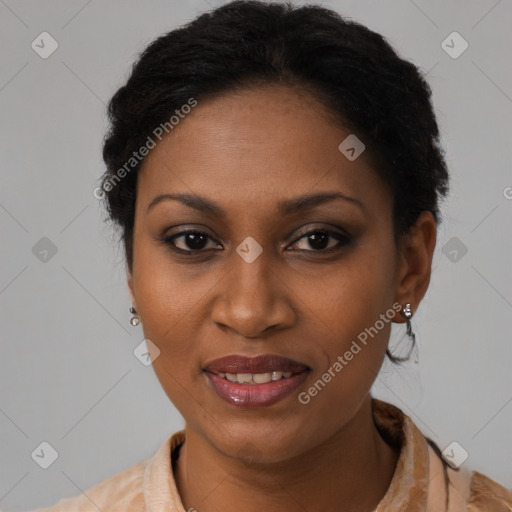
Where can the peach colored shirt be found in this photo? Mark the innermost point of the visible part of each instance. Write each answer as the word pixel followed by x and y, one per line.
pixel 418 484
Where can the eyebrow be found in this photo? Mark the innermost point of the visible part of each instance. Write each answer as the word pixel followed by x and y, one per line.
pixel 285 207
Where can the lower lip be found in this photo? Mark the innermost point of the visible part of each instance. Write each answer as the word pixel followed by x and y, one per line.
pixel 255 395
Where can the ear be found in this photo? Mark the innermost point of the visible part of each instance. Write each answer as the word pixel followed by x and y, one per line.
pixel 415 262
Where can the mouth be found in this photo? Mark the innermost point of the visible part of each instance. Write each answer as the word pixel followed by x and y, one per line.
pixel 257 381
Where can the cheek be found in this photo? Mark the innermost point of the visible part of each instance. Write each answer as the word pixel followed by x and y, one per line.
pixel 167 306
pixel 355 291
pixel 350 357
pixel 352 309
pixel 166 299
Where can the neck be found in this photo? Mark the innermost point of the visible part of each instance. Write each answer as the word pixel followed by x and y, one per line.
pixel 351 471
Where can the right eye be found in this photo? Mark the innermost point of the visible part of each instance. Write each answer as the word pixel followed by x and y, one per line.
pixel 191 241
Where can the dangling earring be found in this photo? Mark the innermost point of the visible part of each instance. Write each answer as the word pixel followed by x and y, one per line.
pixel 407 313
pixel 134 320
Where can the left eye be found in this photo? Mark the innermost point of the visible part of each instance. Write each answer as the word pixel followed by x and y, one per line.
pixel 319 240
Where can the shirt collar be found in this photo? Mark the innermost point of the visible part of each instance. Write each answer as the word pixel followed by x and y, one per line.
pixel 408 490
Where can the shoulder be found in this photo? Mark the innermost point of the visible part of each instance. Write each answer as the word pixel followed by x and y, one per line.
pixel 465 490
pixel 486 495
pixel 128 490
pixel 120 492
pixel 423 470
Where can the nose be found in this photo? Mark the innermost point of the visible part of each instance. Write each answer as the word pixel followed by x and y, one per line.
pixel 253 298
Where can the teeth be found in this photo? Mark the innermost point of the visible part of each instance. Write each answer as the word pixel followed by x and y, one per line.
pixel 254 378
pixel 262 378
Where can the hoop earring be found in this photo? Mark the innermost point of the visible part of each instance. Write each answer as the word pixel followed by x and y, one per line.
pixel 134 320
pixel 407 313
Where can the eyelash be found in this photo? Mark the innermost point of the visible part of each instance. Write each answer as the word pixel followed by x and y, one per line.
pixel 343 240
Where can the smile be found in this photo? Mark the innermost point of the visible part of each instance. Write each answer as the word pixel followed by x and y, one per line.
pixel 255 382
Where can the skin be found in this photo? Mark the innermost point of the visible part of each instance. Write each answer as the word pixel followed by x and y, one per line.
pixel 247 151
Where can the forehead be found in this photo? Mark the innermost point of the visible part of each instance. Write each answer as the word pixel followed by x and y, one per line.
pixel 259 145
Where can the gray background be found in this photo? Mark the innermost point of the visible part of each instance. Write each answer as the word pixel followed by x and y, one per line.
pixel 68 373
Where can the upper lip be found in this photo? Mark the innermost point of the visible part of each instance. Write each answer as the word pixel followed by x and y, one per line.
pixel 260 364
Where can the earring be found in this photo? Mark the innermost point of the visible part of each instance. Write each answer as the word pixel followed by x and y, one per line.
pixel 134 320
pixel 407 313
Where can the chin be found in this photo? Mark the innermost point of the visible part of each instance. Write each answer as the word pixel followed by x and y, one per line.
pixel 260 444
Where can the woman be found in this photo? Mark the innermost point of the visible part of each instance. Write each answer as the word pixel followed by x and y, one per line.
pixel 276 174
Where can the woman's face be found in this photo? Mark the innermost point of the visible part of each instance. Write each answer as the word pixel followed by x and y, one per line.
pixel 327 273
